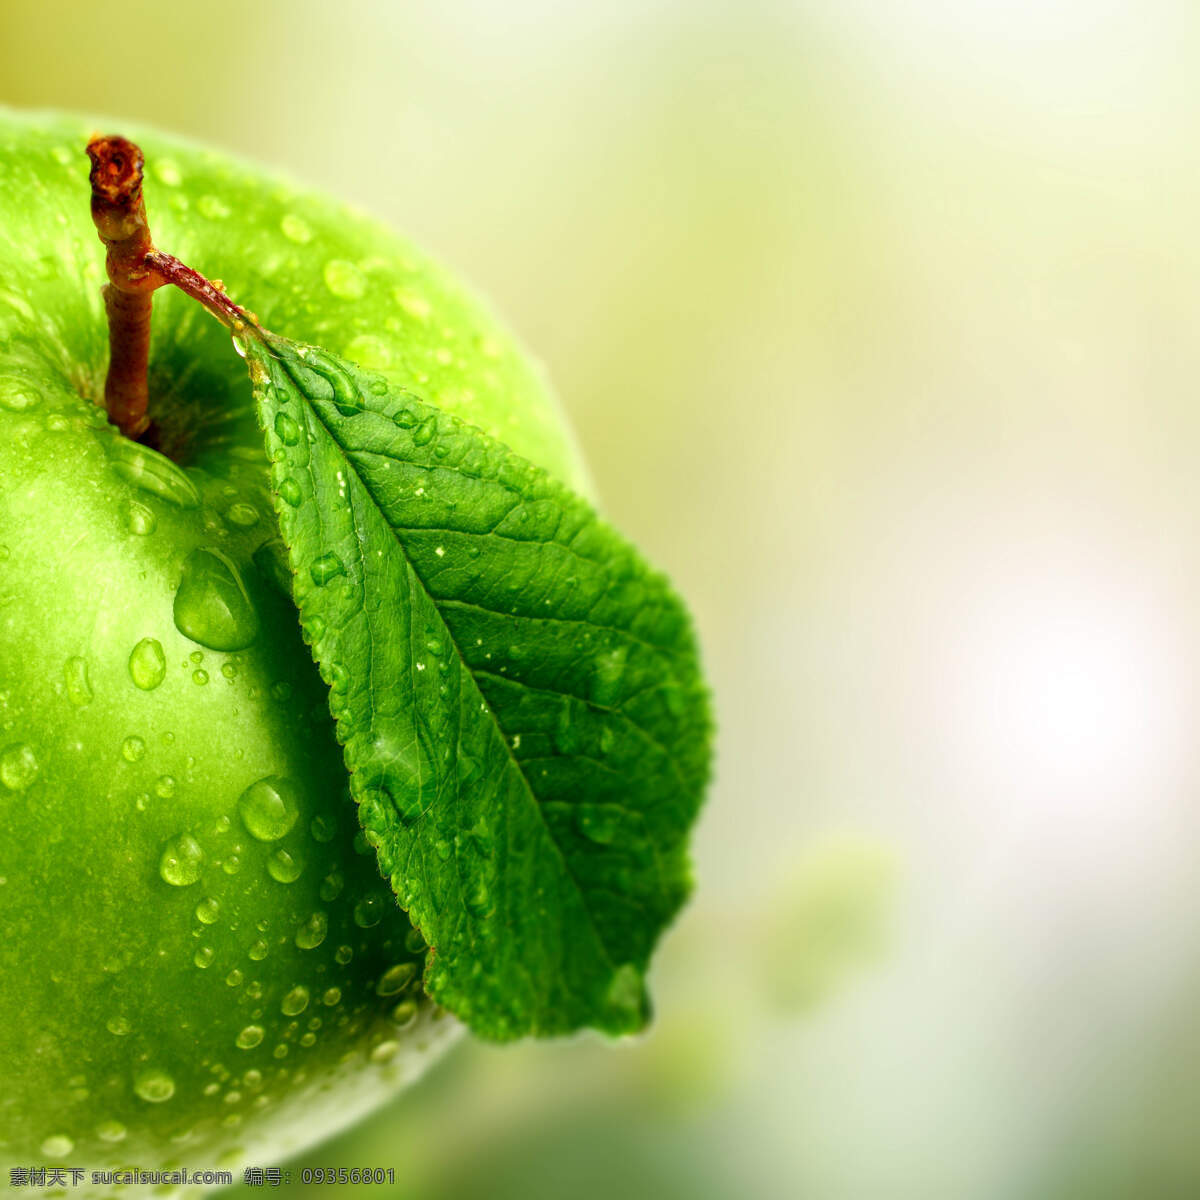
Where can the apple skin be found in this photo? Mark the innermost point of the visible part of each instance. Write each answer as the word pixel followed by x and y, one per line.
pixel 179 985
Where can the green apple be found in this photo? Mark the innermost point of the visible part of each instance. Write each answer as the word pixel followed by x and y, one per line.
pixel 200 963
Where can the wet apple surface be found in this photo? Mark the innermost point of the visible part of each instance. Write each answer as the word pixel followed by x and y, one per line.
pixel 200 960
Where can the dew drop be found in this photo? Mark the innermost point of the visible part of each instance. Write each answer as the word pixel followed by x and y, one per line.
pixel 211 606
pixel 286 429
pixel 289 489
pixel 147 664
pixel 242 515
pixel 151 472
pixel 57 1146
pixel 110 1131
pixel 327 567
pixel 200 678
pixel 425 432
pixel 133 749
pixel 118 1026
pixel 17 395
pixel 283 868
pixel 332 885
pixel 269 808
pixel 404 1013
pixel 295 1002
pixel 344 279
pixel 368 912
pixel 140 519
pixel 343 954
pixel 203 957
pixel 164 787
pixel 598 823
pixel 322 828
pixel 208 911
pixel 79 687
pixel 154 1086
pixel 312 933
pixel 295 229
pixel 395 979
pixel 181 861
pixel 258 951
pixel 250 1037
pixel 234 978
pixel 19 766
pixel 332 997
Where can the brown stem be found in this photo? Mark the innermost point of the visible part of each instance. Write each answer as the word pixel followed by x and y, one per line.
pixel 135 270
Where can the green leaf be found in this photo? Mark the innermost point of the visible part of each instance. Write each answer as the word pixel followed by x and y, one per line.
pixel 517 692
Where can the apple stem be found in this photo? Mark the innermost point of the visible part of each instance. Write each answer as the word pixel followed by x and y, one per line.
pixel 135 271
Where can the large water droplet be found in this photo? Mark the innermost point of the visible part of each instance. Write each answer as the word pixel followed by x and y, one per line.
pixel 211 606
pixel 154 1086
pixel 208 911
pixel 181 860
pixel 150 471
pixel 79 686
pixel 18 395
pixel 241 515
pixel 18 766
pixel 269 807
pixel 147 664
pixel 368 912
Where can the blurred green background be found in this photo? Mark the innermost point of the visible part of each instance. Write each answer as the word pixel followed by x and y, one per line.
pixel 877 323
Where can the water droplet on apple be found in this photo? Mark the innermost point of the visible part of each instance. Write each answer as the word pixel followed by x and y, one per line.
pixel 203 956
pixel 312 933
pixel 147 664
pixel 385 1051
pixel 287 430
pixel 295 229
pixel 371 352
pixel 213 207
pixel 57 1146
pixel 211 606
pixel 395 979
pixel 295 1002
pixel 200 678
pixel 133 749
pixel 208 911
pixel 368 912
pixel 323 828
pixel 258 951
pixel 140 519
pixel 181 860
pixel 332 886
pixel 19 766
pixel 404 1013
pixel 283 868
pixel 164 787
pixel 344 279
pixel 79 687
pixel 18 395
pixel 150 471
pixel 154 1086
pixel 269 808
pixel 327 567
pixel 234 978
pixel 250 1037
pixel 110 1131
pixel 343 954
pixel 118 1026
pixel 242 515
